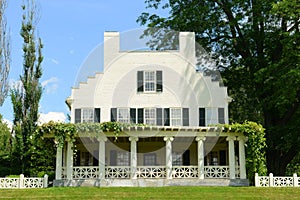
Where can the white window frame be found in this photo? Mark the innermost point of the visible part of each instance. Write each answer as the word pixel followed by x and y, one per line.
pixel 177 159
pixel 150 116
pixel 213 158
pixel 86 159
pixel 150 159
pixel 87 115
pixel 123 158
pixel 211 116
pixel 175 118
pixel 120 117
pixel 147 82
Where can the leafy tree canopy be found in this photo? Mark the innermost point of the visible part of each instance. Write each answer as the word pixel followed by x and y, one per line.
pixel 256 45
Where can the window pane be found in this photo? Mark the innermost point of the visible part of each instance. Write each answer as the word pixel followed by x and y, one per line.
pixel 149 81
pixel 177 159
pixel 150 159
pixel 122 158
pixel 211 116
pixel 88 115
pixel 123 115
pixel 176 119
pixel 150 116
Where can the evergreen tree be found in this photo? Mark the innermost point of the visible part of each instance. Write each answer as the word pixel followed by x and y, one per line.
pixel 25 97
pixel 4 54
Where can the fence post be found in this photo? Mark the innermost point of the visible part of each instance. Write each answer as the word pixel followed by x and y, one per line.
pixel 256 180
pixel 21 181
pixel 45 181
pixel 295 180
pixel 271 180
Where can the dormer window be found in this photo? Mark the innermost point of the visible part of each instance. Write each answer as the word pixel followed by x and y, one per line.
pixel 149 81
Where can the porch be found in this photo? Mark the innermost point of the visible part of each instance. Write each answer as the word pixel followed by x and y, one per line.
pixel 154 157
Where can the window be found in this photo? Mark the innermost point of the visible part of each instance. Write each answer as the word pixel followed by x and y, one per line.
pixel 149 81
pixel 176 119
pixel 212 158
pixel 150 116
pixel 211 116
pixel 177 159
pixel 86 159
pixel 87 115
pixel 123 158
pixel 150 159
pixel 123 115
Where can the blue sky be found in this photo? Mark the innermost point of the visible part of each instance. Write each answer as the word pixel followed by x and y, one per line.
pixel 70 30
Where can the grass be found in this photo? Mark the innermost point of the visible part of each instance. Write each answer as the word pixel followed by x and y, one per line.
pixel 214 193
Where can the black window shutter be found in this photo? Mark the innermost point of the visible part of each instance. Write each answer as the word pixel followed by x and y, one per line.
pixel 97 112
pixel 77 115
pixel 77 160
pixel 186 158
pixel 201 116
pixel 140 115
pixel 222 154
pixel 221 116
pixel 113 158
pixel 185 117
pixel 140 81
pixel 166 116
pixel 159 81
pixel 95 158
pixel 133 115
pixel 159 117
pixel 113 114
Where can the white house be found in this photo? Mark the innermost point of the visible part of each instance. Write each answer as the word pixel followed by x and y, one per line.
pixel 179 105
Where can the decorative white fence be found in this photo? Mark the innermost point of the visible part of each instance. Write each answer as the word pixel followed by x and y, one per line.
pixel 23 182
pixel 151 172
pixel 185 172
pixel 123 172
pixel 277 181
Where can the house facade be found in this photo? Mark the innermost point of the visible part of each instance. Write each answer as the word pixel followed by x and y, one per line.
pixel 178 105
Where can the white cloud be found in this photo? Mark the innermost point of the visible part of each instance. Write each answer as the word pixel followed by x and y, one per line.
pixel 72 51
pixel 52 116
pixel 50 85
pixel 55 61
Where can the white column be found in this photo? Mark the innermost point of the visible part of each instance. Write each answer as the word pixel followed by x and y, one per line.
pixel 168 141
pixel 58 167
pixel 200 140
pixel 133 154
pixel 69 160
pixel 230 140
pixel 101 156
pixel 242 159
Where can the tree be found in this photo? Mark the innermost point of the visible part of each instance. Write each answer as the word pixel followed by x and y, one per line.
pixel 256 44
pixel 5 148
pixel 4 54
pixel 25 97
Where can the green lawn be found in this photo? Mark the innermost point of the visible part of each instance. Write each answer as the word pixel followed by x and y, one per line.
pixel 214 193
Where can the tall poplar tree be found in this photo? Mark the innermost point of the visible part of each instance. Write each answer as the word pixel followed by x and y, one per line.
pixel 26 97
pixel 4 54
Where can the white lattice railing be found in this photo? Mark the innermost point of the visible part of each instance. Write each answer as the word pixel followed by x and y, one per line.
pixel 216 172
pixel 277 181
pixel 24 182
pixel 117 172
pixel 85 172
pixel 185 172
pixel 151 172
pixel 123 172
